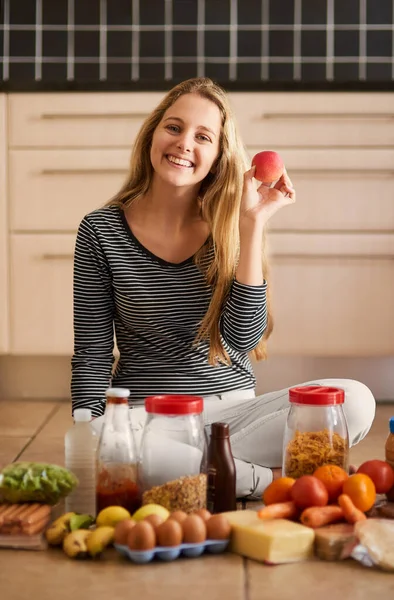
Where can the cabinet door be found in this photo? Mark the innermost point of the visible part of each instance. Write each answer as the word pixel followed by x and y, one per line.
pixel 333 295
pixel 296 120
pixel 338 190
pixel 41 294
pixel 95 120
pixel 53 190
pixel 3 231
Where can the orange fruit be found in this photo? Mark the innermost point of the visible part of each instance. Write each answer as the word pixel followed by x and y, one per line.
pixel 333 478
pixel 278 490
pixel 361 490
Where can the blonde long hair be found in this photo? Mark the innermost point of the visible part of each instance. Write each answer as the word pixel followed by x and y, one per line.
pixel 220 196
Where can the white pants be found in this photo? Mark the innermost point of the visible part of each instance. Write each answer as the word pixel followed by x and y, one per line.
pixel 257 426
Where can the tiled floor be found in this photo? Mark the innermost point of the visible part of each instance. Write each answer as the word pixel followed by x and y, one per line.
pixel 35 431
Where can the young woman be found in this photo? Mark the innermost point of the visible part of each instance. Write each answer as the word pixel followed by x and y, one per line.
pixel 175 266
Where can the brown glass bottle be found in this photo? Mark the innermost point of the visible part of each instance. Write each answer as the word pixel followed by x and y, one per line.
pixel 221 471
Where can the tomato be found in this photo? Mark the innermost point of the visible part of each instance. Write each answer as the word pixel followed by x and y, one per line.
pixel 381 474
pixel 361 490
pixel 309 491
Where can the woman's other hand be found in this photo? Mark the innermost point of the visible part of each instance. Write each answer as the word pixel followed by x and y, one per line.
pixel 258 204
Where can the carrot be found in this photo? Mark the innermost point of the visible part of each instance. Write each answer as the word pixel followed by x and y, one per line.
pixel 351 512
pixel 278 510
pixel 317 516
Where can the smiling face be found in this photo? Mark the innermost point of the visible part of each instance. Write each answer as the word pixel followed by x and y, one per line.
pixel 186 142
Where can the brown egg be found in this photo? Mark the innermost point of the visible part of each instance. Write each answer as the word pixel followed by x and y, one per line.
pixel 218 528
pixel 178 515
pixel 169 533
pixel 142 537
pixel 122 530
pixel 203 513
pixel 154 520
pixel 194 530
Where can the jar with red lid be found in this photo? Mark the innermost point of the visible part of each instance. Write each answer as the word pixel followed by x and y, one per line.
pixel 316 431
pixel 172 459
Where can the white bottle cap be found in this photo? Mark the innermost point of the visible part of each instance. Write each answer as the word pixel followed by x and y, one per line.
pixel 117 393
pixel 82 414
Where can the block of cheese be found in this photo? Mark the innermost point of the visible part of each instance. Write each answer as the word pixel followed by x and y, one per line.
pixel 272 541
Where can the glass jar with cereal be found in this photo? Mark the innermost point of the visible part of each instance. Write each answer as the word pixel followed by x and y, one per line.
pixel 316 432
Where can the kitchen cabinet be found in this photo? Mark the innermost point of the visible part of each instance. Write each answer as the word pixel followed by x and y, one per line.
pixel 4 300
pixel 52 191
pixel 41 294
pixel 333 294
pixel 88 120
pixel 332 253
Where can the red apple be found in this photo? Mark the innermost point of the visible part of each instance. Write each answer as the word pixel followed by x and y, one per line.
pixel 269 166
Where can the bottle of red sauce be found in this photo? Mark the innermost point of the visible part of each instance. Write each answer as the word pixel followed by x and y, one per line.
pixel 117 482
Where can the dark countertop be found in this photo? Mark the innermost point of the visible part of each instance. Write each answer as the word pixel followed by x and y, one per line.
pixel 231 86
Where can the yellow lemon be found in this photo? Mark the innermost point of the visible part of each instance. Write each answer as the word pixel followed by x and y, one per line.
pixel 151 509
pixel 112 515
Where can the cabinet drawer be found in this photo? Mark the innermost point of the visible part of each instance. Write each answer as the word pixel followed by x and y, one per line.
pixel 3 230
pixel 314 119
pixel 333 295
pixel 52 191
pixel 41 294
pixel 78 120
pixel 338 190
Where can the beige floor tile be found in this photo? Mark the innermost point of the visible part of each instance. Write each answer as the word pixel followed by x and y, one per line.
pixel 20 418
pixel 52 575
pixel 324 580
pixel 59 422
pixel 45 449
pixel 10 448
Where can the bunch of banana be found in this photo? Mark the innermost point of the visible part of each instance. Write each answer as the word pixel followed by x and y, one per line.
pixel 62 526
pixel 83 542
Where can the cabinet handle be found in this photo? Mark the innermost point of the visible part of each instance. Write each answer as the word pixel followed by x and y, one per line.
pixel 85 171
pixel 334 256
pixel 92 116
pixel 54 256
pixel 327 116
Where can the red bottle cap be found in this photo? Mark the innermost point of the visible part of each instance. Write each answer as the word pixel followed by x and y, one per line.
pixel 316 395
pixel 176 404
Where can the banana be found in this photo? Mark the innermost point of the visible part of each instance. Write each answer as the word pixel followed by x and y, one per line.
pixel 75 543
pixel 99 539
pixel 58 530
pixel 78 521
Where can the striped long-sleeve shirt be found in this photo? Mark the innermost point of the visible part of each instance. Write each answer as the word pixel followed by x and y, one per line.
pixel 154 307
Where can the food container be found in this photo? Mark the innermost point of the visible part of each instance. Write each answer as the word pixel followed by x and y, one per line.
pixel 117 458
pixel 172 462
pixel 172 552
pixel 316 432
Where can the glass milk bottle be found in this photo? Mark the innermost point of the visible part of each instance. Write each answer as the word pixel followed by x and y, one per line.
pixel 80 458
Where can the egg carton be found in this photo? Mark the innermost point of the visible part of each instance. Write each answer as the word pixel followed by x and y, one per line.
pixel 168 553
